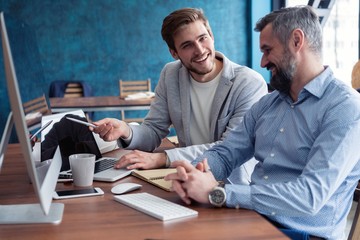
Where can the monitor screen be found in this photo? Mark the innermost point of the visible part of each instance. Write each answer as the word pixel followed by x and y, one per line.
pixel 44 178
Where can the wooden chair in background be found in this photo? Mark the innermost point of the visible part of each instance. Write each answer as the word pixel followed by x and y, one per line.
pixel 132 87
pixel 34 110
pixel 39 105
pixel 74 90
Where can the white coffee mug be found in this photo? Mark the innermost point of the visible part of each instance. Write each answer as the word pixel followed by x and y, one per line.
pixel 82 168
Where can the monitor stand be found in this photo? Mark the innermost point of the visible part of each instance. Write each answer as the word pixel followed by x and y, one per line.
pixel 25 213
pixel 30 213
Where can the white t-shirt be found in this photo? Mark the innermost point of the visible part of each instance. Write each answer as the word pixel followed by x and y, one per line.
pixel 202 97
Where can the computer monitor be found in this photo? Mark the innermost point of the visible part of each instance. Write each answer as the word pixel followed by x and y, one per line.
pixel 5 138
pixel 43 178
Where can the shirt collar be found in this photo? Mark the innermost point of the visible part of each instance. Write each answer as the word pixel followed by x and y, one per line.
pixel 318 85
pixel 315 87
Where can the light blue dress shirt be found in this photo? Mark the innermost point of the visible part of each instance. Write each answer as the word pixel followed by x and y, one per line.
pixel 308 154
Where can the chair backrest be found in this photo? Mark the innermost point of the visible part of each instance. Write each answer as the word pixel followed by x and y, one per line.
pixel 74 90
pixel 355 76
pixel 37 105
pixel 133 86
pixel 355 226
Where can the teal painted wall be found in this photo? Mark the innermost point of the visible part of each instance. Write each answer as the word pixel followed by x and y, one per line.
pixel 100 42
pixel 258 9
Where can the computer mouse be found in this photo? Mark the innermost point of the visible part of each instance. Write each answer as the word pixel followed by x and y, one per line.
pixel 125 187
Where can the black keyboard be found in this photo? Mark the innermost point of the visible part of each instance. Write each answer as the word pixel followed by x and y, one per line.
pixel 104 164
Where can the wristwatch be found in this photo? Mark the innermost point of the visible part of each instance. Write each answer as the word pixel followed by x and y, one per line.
pixel 217 196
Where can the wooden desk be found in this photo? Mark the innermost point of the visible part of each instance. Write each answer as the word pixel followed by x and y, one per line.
pixel 103 218
pixel 93 104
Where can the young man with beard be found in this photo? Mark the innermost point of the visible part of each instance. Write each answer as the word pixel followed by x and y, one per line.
pixel 304 135
pixel 202 94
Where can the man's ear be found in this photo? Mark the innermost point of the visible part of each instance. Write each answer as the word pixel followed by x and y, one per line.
pixel 173 53
pixel 297 39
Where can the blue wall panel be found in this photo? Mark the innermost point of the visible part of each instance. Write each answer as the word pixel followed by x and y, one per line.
pixel 102 41
pixel 258 9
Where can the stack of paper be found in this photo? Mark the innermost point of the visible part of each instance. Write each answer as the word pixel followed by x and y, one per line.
pixel 140 95
pixel 32 115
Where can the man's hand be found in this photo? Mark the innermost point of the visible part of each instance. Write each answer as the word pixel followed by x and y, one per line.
pixel 191 182
pixel 142 160
pixel 33 140
pixel 111 129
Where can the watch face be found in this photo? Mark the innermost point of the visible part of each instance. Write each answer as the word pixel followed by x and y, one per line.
pixel 217 196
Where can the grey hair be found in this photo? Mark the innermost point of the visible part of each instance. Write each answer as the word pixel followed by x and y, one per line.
pixel 285 20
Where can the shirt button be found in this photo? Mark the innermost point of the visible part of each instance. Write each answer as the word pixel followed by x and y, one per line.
pixel 292 106
pixel 281 130
pixel 273 213
pixel 272 154
pixel 266 177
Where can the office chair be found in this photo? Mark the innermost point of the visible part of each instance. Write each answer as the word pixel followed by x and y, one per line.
pixel 132 87
pixel 71 89
pixel 74 89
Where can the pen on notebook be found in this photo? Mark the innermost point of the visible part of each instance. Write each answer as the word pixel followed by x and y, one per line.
pixel 40 130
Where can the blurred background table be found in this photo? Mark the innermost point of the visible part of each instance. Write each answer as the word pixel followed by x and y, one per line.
pixel 100 103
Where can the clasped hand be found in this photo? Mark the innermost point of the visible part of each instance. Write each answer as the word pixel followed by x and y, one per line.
pixel 191 182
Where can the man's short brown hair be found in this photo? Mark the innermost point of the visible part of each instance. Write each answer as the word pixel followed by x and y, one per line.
pixel 177 19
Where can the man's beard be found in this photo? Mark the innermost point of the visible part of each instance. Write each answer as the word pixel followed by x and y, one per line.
pixel 283 78
pixel 200 71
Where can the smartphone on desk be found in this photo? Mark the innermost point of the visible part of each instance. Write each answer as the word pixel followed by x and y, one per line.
pixel 76 193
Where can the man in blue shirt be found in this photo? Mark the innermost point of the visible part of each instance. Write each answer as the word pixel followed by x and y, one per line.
pixel 304 135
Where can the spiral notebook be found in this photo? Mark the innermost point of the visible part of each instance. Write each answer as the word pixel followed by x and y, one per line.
pixel 155 177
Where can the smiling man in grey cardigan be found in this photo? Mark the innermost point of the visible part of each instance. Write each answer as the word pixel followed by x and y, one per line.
pixel 202 94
